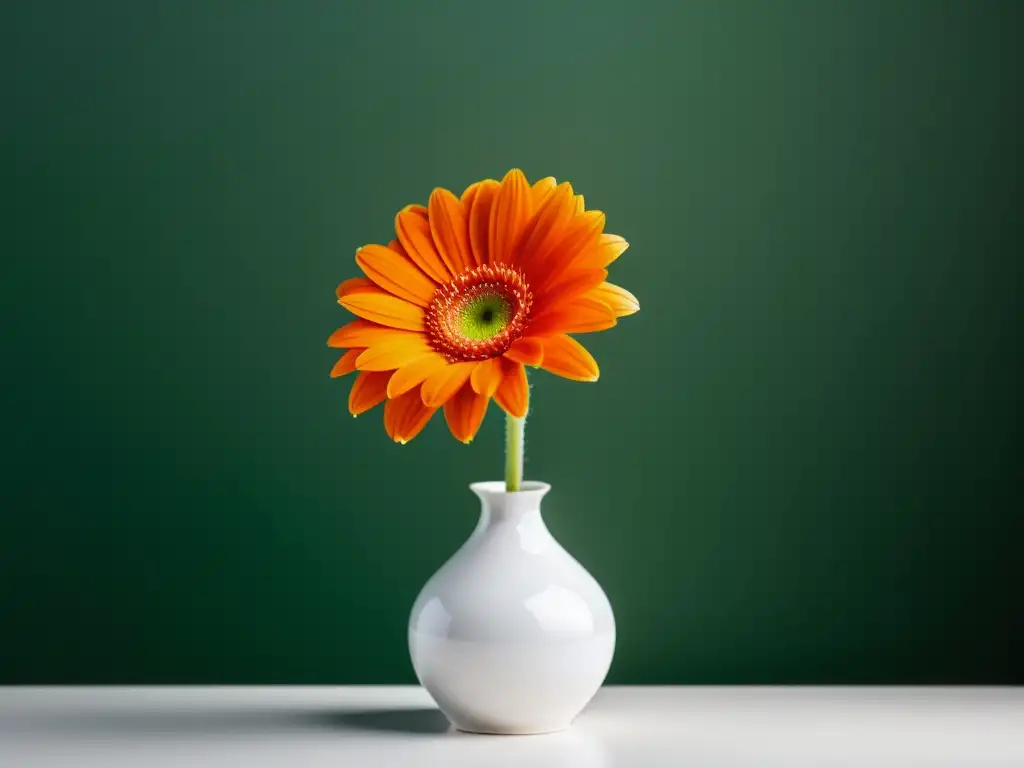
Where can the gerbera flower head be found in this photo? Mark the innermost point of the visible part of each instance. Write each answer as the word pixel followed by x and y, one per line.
pixel 473 289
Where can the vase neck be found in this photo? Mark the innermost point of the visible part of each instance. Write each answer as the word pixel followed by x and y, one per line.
pixel 497 504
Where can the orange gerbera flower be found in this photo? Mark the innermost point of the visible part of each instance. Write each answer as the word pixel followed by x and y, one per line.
pixel 475 288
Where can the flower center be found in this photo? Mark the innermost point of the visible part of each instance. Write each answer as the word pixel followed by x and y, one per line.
pixel 479 313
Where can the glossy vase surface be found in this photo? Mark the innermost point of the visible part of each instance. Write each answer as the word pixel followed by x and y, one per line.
pixel 512 635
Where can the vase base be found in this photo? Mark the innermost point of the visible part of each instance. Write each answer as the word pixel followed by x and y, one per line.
pixel 511 731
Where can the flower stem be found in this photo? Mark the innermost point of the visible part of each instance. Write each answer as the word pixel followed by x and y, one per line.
pixel 514 439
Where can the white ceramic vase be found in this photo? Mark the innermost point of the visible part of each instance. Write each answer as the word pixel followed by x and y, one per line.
pixel 511 635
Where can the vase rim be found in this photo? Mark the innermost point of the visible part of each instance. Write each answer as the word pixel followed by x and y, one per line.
pixel 497 487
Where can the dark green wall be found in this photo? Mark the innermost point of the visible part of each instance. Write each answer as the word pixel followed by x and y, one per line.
pixel 798 465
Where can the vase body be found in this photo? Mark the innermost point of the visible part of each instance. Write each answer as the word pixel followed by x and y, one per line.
pixel 511 635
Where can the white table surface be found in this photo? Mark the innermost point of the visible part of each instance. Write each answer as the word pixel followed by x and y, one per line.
pixel 363 727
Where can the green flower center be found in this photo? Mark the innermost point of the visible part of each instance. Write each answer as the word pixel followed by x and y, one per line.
pixel 484 317
pixel 479 313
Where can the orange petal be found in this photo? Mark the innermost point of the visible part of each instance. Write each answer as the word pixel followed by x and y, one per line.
pixel 362 333
pixel 540 189
pixel 579 315
pixel 564 356
pixel 351 285
pixel 511 211
pixel 469 194
pixel 513 393
pixel 444 383
pixel 546 227
pixel 579 235
pixel 394 271
pixel 413 373
pixel 405 416
pixel 413 230
pixel 571 284
pixel 599 253
pixel 527 351
pixel 392 353
pixel 368 390
pixel 486 377
pixel 464 413
pixel 580 205
pixel 346 363
pixel 480 219
pixel 376 304
pixel 450 230
pixel 610 247
pixel 416 418
pixel 618 299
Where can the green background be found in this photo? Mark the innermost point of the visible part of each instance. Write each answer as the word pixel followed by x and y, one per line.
pixel 800 464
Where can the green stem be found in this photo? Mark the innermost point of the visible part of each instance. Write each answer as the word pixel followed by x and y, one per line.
pixel 514 430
